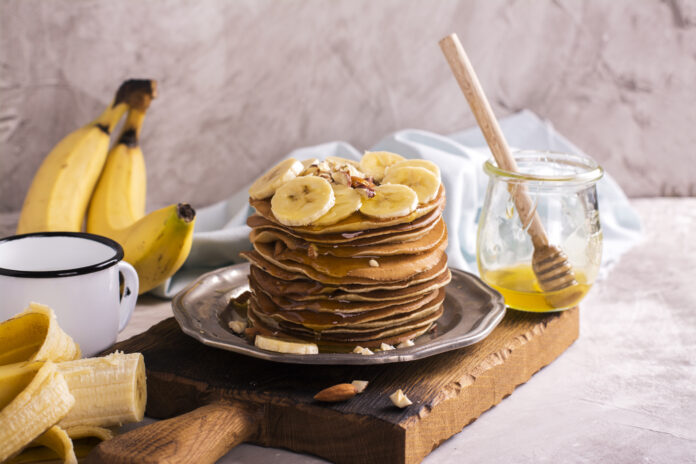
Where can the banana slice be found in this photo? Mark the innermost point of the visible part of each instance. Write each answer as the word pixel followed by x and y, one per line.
pixel 266 185
pixel 424 182
pixel 348 201
pixel 373 163
pixel 282 346
pixel 302 200
pixel 416 163
pixel 390 200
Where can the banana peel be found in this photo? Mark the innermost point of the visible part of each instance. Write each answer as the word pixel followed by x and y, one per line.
pixel 34 335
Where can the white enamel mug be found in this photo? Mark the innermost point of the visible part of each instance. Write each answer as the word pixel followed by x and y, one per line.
pixel 77 275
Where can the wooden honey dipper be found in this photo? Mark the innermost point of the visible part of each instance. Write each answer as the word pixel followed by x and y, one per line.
pixel 550 264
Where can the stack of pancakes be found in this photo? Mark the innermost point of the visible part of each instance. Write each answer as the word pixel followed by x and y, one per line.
pixel 359 282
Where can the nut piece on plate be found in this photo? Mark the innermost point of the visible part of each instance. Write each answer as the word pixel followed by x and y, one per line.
pixel 386 347
pixel 282 346
pixel 399 399
pixel 360 385
pixel 405 344
pixel 302 200
pixel 340 392
pixel 266 185
pixel 362 351
pixel 237 326
pixel 373 263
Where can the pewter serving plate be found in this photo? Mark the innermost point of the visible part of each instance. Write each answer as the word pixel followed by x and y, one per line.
pixel 472 310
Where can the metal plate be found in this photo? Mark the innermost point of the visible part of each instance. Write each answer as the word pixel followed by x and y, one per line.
pixel 472 310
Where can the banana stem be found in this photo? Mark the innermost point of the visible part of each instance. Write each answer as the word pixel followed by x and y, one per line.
pixel 185 212
pixel 130 134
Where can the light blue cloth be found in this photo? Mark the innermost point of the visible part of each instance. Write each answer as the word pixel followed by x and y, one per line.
pixel 221 231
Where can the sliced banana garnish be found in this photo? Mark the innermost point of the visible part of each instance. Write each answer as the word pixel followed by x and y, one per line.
pixel 266 185
pixel 347 202
pixel 302 200
pixel 374 163
pixel 424 182
pixel 416 163
pixel 282 346
pixel 390 200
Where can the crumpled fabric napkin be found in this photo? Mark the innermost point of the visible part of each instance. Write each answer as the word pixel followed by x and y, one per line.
pixel 221 231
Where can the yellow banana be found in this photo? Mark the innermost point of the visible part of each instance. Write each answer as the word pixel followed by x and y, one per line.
pixel 61 189
pixel 119 198
pixel 158 244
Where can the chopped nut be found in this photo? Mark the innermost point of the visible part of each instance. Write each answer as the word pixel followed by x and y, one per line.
pixel 385 347
pixel 405 344
pixel 364 186
pixel 399 399
pixel 340 392
pixel 360 385
pixel 237 326
pixel 312 251
pixel 341 177
pixel 363 351
pixel 373 263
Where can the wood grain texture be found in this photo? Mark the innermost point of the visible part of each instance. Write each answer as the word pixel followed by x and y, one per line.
pixel 448 390
pixel 178 440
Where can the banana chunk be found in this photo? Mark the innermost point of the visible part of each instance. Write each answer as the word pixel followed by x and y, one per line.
pixel 421 180
pixel 374 163
pixel 390 200
pixel 302 200
pixel 416 163
pixel 282 346
pixel 266 185
pixel 347 202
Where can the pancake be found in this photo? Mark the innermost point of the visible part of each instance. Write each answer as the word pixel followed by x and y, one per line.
pixel 308 290
pixel 348 284
pixel 357 222
pixel 329 320
pixel 421 245
pixel 394 234
pixel 389 268
pixel 334 346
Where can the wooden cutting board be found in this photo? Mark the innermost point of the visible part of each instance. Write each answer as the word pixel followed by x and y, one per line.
pixel 235 399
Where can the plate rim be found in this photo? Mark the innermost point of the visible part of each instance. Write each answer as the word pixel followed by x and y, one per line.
pixel 478 332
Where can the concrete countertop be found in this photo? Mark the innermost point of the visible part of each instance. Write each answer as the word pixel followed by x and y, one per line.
pixel 624 392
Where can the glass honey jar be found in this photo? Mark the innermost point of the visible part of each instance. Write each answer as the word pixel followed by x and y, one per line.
pixel 562 190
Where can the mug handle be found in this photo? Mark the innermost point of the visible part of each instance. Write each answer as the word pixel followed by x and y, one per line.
pixel 130 293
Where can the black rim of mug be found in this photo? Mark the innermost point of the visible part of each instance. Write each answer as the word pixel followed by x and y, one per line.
pixel 118 255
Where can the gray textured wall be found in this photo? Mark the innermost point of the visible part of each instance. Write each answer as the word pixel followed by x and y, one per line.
pixel 243 82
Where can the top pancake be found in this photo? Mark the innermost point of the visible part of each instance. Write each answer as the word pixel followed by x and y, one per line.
pixel 356 221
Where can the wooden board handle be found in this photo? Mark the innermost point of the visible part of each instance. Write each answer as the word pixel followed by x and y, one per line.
pixel 201 436
pixel 471 88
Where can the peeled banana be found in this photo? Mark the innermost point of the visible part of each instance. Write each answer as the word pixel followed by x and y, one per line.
pixel 421 180
pixel 302 200
pixel 374 163
pixel 266 185
pixel 389 201
pixel 34 335
pixel 33 397
pixel 108 391
pixel 61 189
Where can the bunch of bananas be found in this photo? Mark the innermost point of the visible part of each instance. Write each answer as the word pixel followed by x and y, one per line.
pixel 53 403
pixel 81 176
